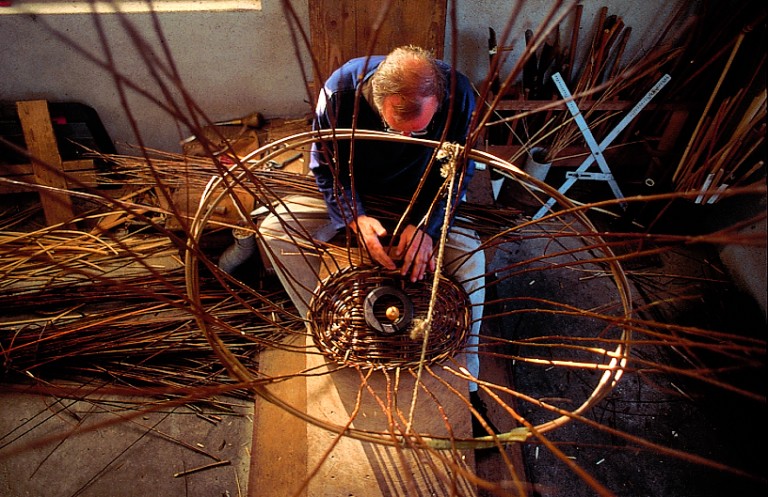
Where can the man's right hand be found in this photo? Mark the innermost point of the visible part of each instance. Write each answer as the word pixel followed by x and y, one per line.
pixel 370 230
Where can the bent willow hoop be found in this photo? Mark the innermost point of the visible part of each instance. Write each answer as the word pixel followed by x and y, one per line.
pixel 361 316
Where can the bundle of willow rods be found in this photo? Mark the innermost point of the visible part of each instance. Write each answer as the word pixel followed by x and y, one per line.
pixel 727 147
pixel 107 331
pixel 605 76
pixel 56 258
pixel 80 306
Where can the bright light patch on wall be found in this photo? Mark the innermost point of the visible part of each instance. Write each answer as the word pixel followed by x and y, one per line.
pixel 106 7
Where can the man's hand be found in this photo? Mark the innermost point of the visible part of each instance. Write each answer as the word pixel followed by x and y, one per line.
pixel 370 229
pixel 416 246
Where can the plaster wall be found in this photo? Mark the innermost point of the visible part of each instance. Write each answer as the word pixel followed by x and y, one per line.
pixel 230 64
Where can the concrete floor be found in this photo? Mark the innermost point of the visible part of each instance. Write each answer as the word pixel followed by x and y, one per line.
pixel 102 445
pixel 671 411
pixel 680 417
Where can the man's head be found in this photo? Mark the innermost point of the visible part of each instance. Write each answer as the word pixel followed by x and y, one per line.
pixel 408 87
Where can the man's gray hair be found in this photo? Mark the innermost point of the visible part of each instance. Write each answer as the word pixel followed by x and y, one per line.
pixel 409 72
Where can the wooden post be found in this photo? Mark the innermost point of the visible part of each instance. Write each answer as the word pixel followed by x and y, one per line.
pixel 46 161
pixel 287 452
pixel 279 450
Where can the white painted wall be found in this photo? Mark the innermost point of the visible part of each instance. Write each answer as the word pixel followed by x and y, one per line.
pixel 231 63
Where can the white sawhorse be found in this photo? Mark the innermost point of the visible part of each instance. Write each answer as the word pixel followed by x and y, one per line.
pixel 596 151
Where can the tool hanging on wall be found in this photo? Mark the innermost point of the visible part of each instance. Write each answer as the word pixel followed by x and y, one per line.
pixel 596 150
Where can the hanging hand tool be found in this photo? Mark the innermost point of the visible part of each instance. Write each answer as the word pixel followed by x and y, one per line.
pixel 493 49
pixel 252 120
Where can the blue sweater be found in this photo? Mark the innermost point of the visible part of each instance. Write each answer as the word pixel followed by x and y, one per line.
pixel 383 168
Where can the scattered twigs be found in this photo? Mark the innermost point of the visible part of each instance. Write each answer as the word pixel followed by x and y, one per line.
pixel 108 316
pixel 202 468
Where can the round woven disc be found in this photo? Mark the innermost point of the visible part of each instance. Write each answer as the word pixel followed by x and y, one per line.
pixel 341 332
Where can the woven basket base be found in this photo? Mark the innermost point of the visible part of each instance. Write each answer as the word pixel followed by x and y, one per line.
pixel 343 333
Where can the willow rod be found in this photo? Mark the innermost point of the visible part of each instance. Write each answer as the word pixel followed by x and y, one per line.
pixel 723 74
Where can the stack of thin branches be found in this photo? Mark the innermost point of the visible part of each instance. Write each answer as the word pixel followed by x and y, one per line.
pixel 727 147
pixel 112 303
pixel 80 306
pixel 130 341
pixel 602 76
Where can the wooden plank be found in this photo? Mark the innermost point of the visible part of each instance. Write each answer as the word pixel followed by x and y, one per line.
pixel 287 451
pixel 47 166
pixel 332 29
pixel 346 466
pixel 79 173
pixel 360 468
pixel 343 29
pixel 420 23
pixel 279 450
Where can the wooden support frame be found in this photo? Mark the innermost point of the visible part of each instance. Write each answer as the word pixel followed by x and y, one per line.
pixel 47 168
pixel 78 173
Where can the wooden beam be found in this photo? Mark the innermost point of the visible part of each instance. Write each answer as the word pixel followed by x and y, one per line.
pixel 279 450
pixel 46 164
pixel 288 451
pixel 79 173
pixel 343 29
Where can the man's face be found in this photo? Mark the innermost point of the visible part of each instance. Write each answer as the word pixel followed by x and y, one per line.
pixel 410 127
